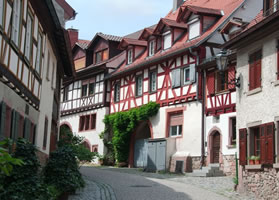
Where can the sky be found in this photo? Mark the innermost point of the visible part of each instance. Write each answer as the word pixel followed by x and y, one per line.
pixel 116 17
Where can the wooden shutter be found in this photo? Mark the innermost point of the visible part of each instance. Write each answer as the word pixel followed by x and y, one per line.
pixel 243 146
pixel 175 76
pixel 193 73
pixel 2 120
pixel 262 144
pixel 231 77
pixel 27 127
pixel 270 142
pixel 258 73
pixel 251 76
pixel 176 119
pixel 211 83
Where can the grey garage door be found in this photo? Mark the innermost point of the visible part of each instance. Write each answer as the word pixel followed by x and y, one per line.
pixel 140 153
pixel 156 156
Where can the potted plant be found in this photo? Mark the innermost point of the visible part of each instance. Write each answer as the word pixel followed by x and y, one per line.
pixel 251 160
pixel 257 160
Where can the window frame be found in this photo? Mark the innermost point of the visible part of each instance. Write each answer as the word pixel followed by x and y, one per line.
pixel 130 56
pixel 2 11
pixel 255 59
pixel 151 82
pixel 28 57
pixel 232 141
pixel 85 122
pixel 16 40
pixel 179 128
pixel 82 94
pixel 40 53
pixel 137 94
pixel 117 87
pixel 183 75
pixel 218 81
pixel 92 83
pixel 171 112
pixel 191 23
pixel 151 48
pixel 164 35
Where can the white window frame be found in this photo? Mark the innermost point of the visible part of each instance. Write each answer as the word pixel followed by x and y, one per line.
pixel 193 23
pixel 185 82
pixel 192 74
pixel 138 85
pixel 38 64
pixel 177 131
pixel 151 47
pixel 167 37
pixel 2 13
pixel 130 56
pixel 16 21
pixel 28 37
pixel 153 81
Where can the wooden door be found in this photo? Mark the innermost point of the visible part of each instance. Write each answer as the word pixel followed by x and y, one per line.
pixel 216 147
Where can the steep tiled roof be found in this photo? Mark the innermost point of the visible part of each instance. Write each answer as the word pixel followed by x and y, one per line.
pixel 170 23
pixel 127 41
pixel 137 34
pixel 203 10
pixel 83 43
pixel 110 37
pixel 227 6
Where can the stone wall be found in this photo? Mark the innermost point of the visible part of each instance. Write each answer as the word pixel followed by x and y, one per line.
pixel 264 184
pixel 196 162
pixel 228 165
pixel 187 163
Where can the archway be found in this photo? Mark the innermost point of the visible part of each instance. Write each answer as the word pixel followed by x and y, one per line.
pixel 65 128
pixel 138 145
pixel 86 144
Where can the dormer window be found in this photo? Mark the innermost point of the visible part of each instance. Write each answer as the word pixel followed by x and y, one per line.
pixel 194 28
pixel 167 40
pixel 101 56
pixel 130 56
pixel 151 47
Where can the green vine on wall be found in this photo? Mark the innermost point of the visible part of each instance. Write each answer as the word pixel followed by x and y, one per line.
pixel 120 126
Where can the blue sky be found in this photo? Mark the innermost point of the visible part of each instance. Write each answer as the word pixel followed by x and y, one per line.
pixel 116 17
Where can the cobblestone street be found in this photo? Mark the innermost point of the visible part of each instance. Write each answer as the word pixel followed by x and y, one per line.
pixel 105 183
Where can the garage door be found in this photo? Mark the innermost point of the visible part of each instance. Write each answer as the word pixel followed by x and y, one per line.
pixel 156 156
pixel 140 153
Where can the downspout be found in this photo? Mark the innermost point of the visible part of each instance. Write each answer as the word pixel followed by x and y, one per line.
pixel 203 105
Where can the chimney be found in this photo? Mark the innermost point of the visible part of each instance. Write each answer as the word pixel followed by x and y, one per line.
pixel 177 4
pixel 73 34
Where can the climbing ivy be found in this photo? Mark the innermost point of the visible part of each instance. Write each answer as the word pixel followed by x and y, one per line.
pixel 119 127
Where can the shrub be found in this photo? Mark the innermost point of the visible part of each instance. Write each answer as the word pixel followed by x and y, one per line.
pixel 62 170
pixel 24 183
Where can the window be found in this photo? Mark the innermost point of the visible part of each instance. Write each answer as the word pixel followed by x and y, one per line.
pixel 152 48
pixel 153 82
pixel 1 13
pixel 91 88
pixel 255 70
pixel 139 86
pixel 186 75
pixel 130 56
pixel 232 131
pixel 45 134
pixel 84 90
pixel 28 38
pixel 16 21
pixel 175 78
pixel 270 6
pixel 221 81
pixel 117 92
pixel 175 124
pixel 194 28
pixel 102 56
pixel 167 40
pixel 39 54
pixel 87 122
pixel 65 94
pixel 48 63
pixel 189 74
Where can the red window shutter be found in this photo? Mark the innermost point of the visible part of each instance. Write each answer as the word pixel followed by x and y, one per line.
pixel 270 143
pixel 243 146
pixel 262 144
pixel 231 77
pixel 251 76
pixel 211 83
pixel 258 73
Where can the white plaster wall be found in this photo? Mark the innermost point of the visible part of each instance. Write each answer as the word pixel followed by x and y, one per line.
pixel 92 135
pixel 261 107
pixel 223 125
pixel 190 143
pixel 46 103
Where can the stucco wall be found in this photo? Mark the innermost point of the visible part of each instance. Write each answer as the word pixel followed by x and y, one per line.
pixel 92 135
pixel 190 142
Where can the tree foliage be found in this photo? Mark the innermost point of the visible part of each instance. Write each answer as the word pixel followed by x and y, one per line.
pixel 119 127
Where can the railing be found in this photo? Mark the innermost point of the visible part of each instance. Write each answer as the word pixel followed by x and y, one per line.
pixel 274 8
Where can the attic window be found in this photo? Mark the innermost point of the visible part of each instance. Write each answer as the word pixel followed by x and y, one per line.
pixel 101 56
pixel 151 47
pixel 130 56
pixel 194 28
pixel 167 40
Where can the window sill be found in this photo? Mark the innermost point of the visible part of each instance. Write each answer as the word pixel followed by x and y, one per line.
pixel 254 91
pixel 231 146
pixel 222 92
pixel 176 136
pixel 276 83
pixel 276 166
pixel 253 167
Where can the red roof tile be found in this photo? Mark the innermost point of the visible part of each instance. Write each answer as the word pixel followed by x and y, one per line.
pixel 227 6
pixel 128 41
pixel 170 23
pixel 83 43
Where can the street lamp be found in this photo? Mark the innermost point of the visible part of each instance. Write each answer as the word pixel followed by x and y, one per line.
pixel 222 62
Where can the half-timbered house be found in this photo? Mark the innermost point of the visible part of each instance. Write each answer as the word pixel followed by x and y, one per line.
pixel 257 105
pixel 161 66
pixel 33 59
pixel 86 97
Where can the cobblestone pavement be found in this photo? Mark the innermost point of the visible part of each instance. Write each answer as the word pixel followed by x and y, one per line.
pixel 183 186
